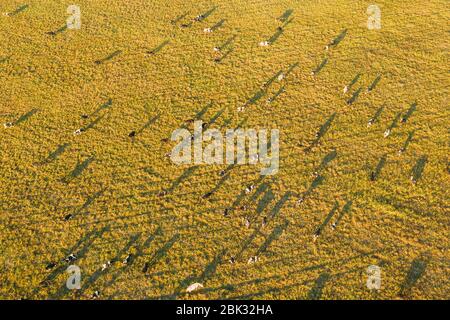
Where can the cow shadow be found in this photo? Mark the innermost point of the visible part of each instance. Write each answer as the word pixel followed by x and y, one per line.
pixel 415 272
pixel 354 97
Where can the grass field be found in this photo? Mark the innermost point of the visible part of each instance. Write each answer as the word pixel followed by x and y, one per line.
pixel 147 67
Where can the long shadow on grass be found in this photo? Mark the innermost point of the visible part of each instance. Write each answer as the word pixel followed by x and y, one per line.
pixel 25 116
pixel 222 57
pixel 207 273
pixel 418 168
pixel 346 209
pixel 160 253
pixel 109 57
pixel 116 259
pixel 354 80
pixel 179 18
pixel 158 48
pixel 354 97
pixel 409 113
pixel 79 169
pixel 104 106
pixel 338 39
pixel 376 116
pixel 148 124
pixel 226 43
pixel 407 142
pixel 206 14
pixel 218 25
pixel 18 10
pixel 276 233
pixel 275 210
pixel 221 182
pixel 79 249
pixel 320 66
pixel 322 131
pixel 416 271
pixel 285 16
pixel 327 159
pixel 316 291
pixel 184 176
pixel 57 31
pixel 275 36
pixel 318 180
pixel 89 201
pixel 55 154
pixel 330 215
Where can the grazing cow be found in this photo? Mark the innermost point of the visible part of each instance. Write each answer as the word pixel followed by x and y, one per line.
pixel 95 295
pixel 264 222
pixel 373 176
pixel 8 125
pixel 132 134
pixel 68 217
pixel 387 133
pixel 264 43
pixel 207 30
pixel 371 121
pixel 226 212
pixel 232 260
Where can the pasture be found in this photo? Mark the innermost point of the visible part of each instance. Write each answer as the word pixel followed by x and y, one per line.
pixel 364 160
